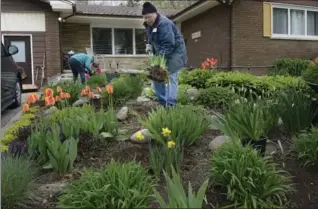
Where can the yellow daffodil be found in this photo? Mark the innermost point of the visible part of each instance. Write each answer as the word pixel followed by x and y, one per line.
pixel 171 144
pixel 139 135
pixel 165 132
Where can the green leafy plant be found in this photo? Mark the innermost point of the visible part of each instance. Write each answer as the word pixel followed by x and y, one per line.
pixel 296 110
pixel 117 185
pixel 171 153
pixel 288 66
pixel 305 147
pixel 216 97
pixel 187 123
pixel 96 81
pixel 311 74
pixel 17 174
pixel 251 181
pixel 177 196
pixel 246 119
pixel 61 154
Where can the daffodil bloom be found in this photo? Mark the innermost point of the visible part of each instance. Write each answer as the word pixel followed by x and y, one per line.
pixel 171 144
pixel 165 132
pixel 139 135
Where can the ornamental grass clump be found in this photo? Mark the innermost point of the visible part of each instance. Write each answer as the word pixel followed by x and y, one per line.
pixel 158 68
pixel 304 147
pixel 186 122
pixel 117 185
pixel 17 174
pixel 250 180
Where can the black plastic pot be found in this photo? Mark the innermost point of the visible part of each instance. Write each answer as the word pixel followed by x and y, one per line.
pixel 259 145
pixel 313 86
pixel 111 76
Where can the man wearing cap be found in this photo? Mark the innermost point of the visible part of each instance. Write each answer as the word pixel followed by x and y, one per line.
pixel 164 38
pixel 80 64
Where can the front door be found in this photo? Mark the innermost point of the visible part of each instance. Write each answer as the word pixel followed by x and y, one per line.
pixel 23 57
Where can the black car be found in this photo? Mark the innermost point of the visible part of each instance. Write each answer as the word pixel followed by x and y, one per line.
pixel 11 82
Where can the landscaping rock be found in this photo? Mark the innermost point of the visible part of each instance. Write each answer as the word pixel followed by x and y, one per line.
pixel 106 135
pixel 97 96
pixel 218 141
pixel 80 102
pixel 47 191
pixel 271 149
pixel 122 113
pixel 212 125
pixel 142 99
pixel 193 93
pixel 145 133
pixel 50 111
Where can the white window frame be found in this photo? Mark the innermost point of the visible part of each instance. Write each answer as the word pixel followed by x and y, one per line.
pixel 290 36
pixel 113 41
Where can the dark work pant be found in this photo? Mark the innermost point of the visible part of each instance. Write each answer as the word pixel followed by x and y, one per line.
pixel 77 69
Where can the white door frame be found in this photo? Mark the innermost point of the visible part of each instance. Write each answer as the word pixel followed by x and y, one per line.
pixel 31 46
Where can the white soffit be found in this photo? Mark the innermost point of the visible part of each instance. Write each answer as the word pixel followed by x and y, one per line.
pixel 23 21
pixel 60 6
pixel 196 10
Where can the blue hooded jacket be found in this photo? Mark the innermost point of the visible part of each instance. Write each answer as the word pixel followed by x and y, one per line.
pixel 85 60
pixel 166 39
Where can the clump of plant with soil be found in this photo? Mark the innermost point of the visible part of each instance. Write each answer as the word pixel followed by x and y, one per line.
pixel 304 147
pixel 249 180
pixel 117 185
pixel 158 69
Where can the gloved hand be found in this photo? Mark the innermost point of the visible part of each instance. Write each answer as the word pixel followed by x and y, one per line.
pixel 148 48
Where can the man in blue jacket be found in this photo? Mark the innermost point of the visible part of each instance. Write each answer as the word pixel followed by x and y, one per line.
pixel 164 38
pixel 80 64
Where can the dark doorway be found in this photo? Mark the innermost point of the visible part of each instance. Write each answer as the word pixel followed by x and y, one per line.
pixel 23 57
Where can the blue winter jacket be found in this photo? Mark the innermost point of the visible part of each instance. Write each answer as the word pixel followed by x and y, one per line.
pixel 166 39
pixel 84 59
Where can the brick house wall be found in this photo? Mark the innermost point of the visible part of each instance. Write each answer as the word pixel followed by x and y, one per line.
pixel 76 37
pixel 214 25
pixel 47 42
pixel 248 46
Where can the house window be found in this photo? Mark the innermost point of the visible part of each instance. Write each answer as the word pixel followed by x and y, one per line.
pixel 294 22
pixel 118 41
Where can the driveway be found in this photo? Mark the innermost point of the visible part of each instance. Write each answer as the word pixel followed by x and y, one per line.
pixel 10 115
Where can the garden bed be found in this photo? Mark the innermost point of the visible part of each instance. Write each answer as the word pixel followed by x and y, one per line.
pixel 107 140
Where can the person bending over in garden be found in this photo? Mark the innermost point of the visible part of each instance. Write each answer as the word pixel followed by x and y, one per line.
pixel 80 64
pixel 164 38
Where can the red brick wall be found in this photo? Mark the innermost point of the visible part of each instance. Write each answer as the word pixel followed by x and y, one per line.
pixel 214 25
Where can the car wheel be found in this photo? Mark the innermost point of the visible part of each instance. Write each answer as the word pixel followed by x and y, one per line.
pixel 17 95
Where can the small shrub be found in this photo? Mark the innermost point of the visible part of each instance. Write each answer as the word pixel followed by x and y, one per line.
pixel 196 78
pixel 288 66
pixel 125 88
pixel 216 97
pixel 250 180
pixel 177 197
pixel 186 123
pixel 295 109
pixel 305 145
pixel 17 174
pixel 117 185
pixel 311 74
pixel 96 81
